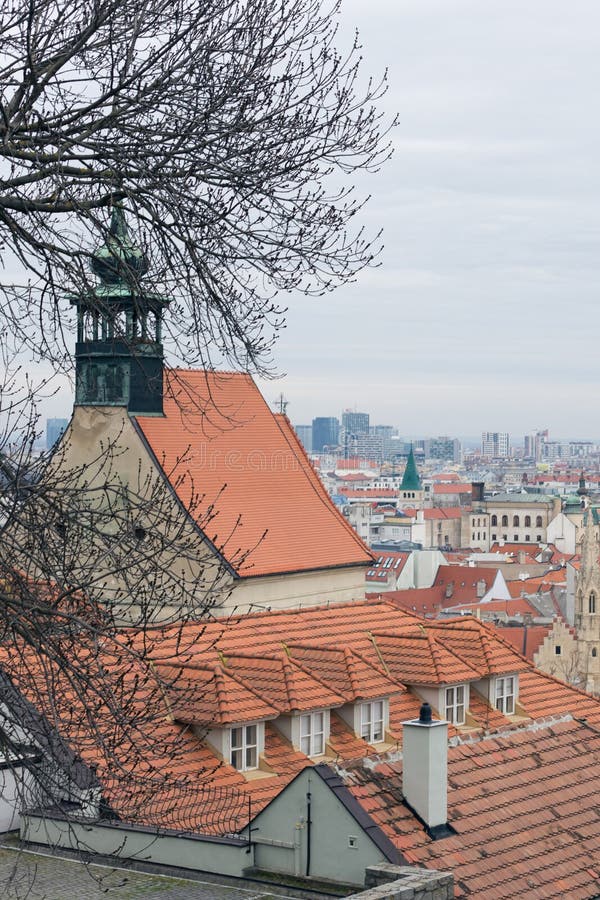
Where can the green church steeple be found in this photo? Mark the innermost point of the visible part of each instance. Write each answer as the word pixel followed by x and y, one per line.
pixel 410 479
pixel 119 353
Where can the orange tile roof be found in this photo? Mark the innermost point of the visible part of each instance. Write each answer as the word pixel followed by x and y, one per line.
pixel 451 488
pixel 419 601
pixel 518 606
pixel 520 805
pixel 414 656
pixel 268 511
pixel 526 639
pixel 346 650
pixel 437 512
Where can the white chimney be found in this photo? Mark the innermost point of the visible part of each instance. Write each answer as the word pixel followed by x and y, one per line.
pixel 425 770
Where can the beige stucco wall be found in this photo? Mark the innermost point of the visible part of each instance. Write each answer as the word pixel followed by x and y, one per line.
pixel 102 444
pixel 341 585
pixel 566 664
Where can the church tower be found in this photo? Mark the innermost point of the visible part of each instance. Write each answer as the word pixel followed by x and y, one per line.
pixel 587 606
pixel 411 488
pixel 119 353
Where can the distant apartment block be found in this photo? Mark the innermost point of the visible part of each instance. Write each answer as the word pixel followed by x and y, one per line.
pixel 325 433
pixel 355 422
pixel 54 429
pixel 304 433
pixel 442 447
pixel 495 444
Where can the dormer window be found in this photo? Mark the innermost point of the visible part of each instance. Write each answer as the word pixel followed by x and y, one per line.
pixel 244 747
pixel 372 721
pixel 455 704
pixel 312 734
pixel 505 694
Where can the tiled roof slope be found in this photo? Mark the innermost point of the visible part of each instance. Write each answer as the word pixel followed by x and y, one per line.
pixel 325 657
pixel 522 806
pixel 219 439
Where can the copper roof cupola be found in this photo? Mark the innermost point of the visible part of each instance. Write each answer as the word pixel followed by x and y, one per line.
pixel 119 353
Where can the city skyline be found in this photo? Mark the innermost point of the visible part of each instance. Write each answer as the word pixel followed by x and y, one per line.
pixel 483 310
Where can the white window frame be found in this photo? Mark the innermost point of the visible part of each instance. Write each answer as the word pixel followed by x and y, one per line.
pixel 244 740
pixel 372 721
pixel 454 698
pixel 312 733
pixel 505 693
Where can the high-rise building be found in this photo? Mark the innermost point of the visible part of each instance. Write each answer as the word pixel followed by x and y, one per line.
pixel 54 429
pixel 304 433
pixel 495 444
pixel 325 433
pixel 355 422
pixel 443 447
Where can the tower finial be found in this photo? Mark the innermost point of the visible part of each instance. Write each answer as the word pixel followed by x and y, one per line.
pixel 119 260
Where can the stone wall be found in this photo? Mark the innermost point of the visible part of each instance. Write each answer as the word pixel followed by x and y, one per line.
pixel 389 882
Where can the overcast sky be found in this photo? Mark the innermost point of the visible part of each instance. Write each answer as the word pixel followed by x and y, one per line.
pixel 483 312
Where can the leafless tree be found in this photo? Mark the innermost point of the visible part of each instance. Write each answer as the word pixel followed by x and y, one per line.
pixel 93 567
pixel 232 133
pixel 231 130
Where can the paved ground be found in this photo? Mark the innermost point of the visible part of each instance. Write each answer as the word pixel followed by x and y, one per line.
pixel 32 876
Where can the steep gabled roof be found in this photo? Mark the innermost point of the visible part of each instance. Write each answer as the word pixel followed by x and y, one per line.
pixel 269 513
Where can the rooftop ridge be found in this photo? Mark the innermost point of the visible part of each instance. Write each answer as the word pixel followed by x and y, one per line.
pixel 535 725
pixel 221 693
pixel 288 679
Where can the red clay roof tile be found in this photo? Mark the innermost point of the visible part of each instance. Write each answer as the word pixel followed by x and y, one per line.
pixel 271 513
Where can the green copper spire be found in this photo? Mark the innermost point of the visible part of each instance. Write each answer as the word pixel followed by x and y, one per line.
pixel 410 479
pixel 119 260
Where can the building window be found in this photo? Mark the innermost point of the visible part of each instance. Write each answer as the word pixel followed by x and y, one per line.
pixel 455 704
pixel 557 650
pixel 505 520
pixel 538 521
pixel 371 721
pixel 504 537
pixel 494 520
pixel 592 603
pixel 527 521
pixel 312 734
pixel 516 537
pixel 494 537
pixel 516 522
pixel 538 537
pixel 594 651
pixel 505 695
pixel 244 747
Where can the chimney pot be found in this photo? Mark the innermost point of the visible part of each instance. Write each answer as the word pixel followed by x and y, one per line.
pixel 425 714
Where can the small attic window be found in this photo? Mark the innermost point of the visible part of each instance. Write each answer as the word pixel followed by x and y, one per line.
pixel 372 721
pixel 244 747
pixel 505 694
pixel 455 704
pixel 312 734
